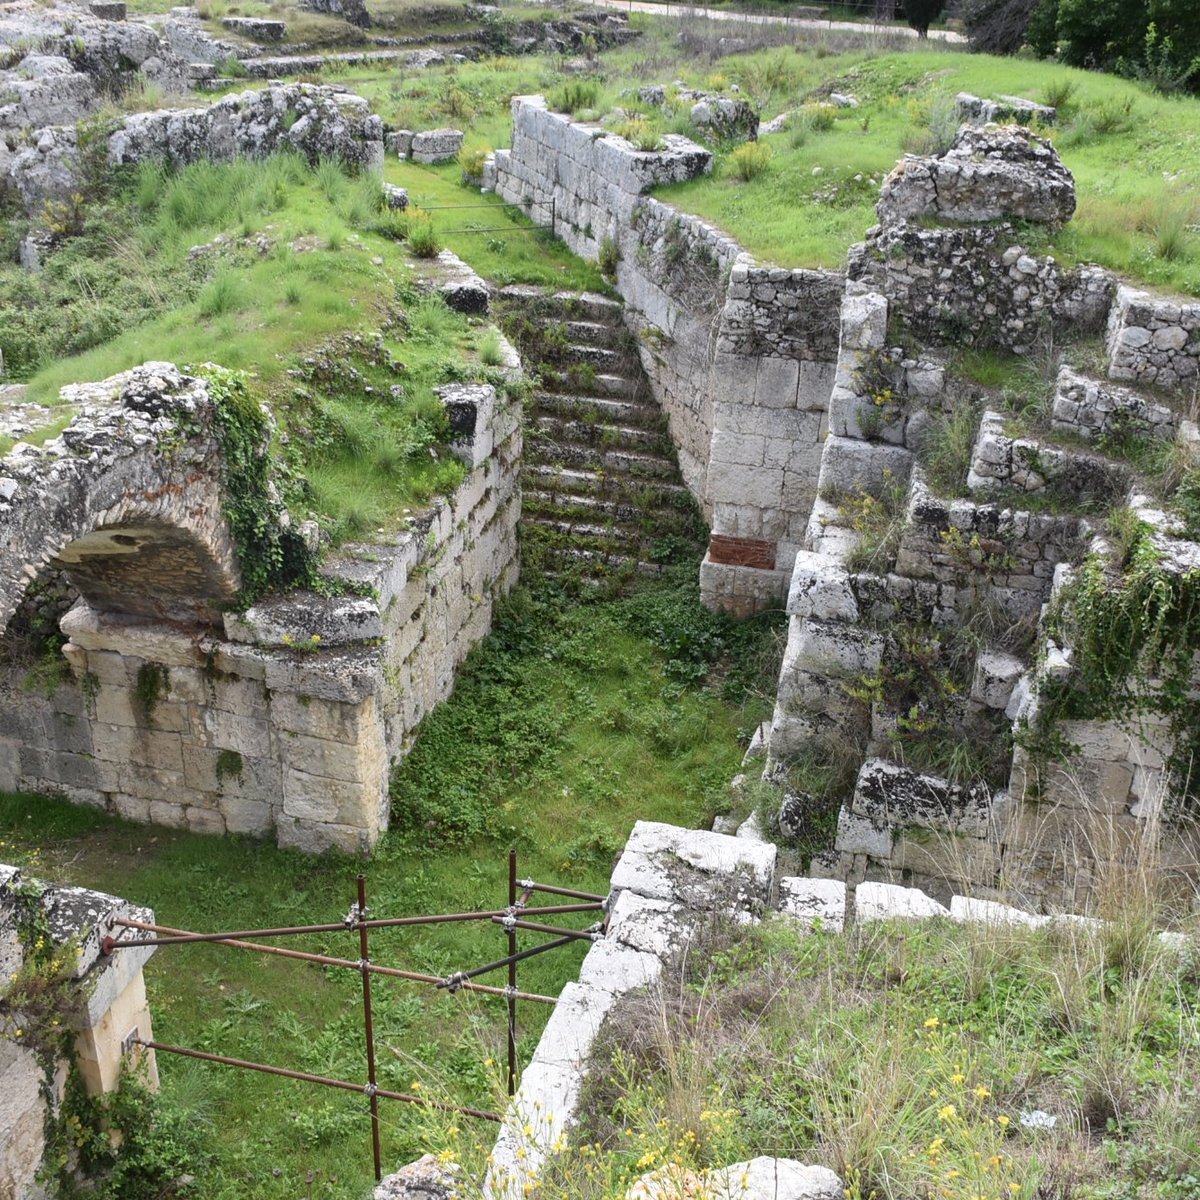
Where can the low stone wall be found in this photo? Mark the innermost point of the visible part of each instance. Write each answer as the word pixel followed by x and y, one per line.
pixel 1094 409
pixel 283 719
pixel 667 884
pixel 1000 461
pixel 319 122
pixel 1152 339
pixel 107 996
pixel 978 285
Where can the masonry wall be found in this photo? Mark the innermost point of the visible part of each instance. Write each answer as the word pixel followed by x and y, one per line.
pixel 108 996
pixel 287 720
pixel 740 356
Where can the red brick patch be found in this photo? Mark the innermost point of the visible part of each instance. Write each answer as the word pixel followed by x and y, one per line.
pixel 741 552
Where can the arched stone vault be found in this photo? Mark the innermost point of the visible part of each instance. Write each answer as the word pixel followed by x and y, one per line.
pixel 127 501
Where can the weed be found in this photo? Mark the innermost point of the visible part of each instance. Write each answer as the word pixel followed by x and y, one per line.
pixel 422 240
pixel 750 160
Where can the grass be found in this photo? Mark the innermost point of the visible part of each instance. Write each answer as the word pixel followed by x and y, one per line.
pixel 904 1056
pixel 564 728
pixel 1136 178
pixel 294 258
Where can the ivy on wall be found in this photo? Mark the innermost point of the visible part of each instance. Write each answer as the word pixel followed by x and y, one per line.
pixel 1135 633
pixel 272 557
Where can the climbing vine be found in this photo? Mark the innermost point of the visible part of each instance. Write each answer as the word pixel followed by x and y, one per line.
pixel 1135 634
pixel 271 556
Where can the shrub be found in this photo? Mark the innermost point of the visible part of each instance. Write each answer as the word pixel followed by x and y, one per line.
pixel 472 162
pixel 223 295
pixel 922 13
pixel 640 134
pixel 575 96
pixel 422 241
pixel 490 352
pixel 607 257
pixel 750 159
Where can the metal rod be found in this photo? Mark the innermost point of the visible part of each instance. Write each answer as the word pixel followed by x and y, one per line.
pixel 587 935
pixel 364 958
pixel 325 960
pixel 495 229
pixel 456 980
pixel 551 890
pixel 445 207
pixel 179 938
pixel 306 1077
pixel 512 974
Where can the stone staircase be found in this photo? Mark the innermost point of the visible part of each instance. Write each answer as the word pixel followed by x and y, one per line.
pixel 603 500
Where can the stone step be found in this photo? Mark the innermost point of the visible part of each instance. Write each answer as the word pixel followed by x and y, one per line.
pixel 594 458
pixel 575 481
pixel 596 333
pixel 544 500
pixel 598 433
pixel 617 517
pixel 594 356
pixel 565 306
pixel 604 560
pixel 621 412
pixel 609 384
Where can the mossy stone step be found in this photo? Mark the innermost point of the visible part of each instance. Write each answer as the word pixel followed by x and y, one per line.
pixel 614 385
pixel 599 433
pixel 594 458
pixel 558 479
pixel 620 412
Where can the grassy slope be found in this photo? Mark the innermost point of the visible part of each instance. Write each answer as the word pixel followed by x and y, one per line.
pixel 1135 155
pixel 903 1056
pixel 604 737
pixel 1130 182
pixel 131 290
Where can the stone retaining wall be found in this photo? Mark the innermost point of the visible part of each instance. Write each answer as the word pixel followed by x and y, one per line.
pixel 740 356
pixel 1152 339
pixel 108 995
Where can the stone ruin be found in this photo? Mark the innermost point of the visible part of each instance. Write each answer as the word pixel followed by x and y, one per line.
pixel 787 394
pixel 278 720
pixel 104 1004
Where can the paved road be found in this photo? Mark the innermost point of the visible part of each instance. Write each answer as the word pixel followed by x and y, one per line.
pixel 722 14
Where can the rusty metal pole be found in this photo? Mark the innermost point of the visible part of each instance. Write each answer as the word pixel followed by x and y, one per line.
pixel 512 973
pixel 364 963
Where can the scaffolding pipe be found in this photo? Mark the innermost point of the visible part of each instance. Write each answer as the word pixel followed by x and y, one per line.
pixel 325 960
pixel 180 937
pixel 306 1077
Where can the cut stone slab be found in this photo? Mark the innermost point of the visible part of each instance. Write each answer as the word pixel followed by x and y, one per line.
pixel 889 901
pixel 664 861
pixel 814 900
pixel 971 911
pixel 766 1178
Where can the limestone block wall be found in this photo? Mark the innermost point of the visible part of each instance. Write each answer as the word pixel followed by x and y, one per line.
pixel 1153 339
pixel 284 719
pixel 740 356
pixel 108 996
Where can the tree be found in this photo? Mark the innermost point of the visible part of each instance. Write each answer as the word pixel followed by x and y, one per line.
pixel 997 26
pixel 922 13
